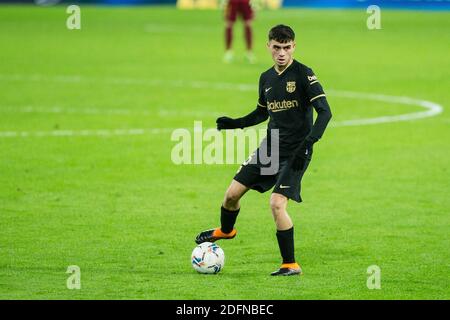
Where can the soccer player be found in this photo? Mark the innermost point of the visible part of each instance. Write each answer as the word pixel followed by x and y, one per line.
pixel 288 92
pixel 244 10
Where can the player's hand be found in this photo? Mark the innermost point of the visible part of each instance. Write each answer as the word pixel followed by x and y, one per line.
pixel 224 123
pixel 298 161
pixel 300 156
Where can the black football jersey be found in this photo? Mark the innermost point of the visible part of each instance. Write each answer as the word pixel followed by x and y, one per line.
pixel 288 98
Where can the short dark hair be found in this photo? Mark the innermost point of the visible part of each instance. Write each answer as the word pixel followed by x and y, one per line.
pixel 281 33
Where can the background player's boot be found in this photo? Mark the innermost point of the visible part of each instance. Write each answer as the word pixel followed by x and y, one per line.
pixel 288 269
pixel 250 56
pixel 213 235
pixel 228 57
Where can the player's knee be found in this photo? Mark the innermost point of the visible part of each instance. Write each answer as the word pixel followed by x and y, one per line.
pixel 277 203
pixel 231 198
pixel 276 207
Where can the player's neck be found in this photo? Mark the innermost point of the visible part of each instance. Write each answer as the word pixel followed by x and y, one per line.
pixel 281 69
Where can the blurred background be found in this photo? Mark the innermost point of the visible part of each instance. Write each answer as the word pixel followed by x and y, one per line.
pixel 406 4
pixel 87 179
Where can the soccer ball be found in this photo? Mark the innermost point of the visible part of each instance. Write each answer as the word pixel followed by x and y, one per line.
pixel 208 257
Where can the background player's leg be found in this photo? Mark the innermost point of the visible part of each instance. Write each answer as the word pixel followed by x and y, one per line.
pixel 248 35
pixel 248 31
pixel 228 41
pixel 228 35
pixel 231 206
pixel 248 15
pixel 285 227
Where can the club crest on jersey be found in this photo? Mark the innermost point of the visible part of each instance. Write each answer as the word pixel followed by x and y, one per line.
pixel 290 86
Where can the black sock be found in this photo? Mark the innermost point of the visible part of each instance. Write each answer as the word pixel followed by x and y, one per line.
pixel 227 219
pixel 286 244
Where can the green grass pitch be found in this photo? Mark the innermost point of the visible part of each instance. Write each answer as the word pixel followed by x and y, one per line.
pixel 116 206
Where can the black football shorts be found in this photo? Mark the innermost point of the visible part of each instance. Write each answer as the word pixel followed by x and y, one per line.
pixel 286 181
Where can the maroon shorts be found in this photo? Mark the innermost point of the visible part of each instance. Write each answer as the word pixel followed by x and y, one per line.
pixel 238 7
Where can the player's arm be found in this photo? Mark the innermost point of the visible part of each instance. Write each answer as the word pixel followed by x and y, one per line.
pixel 260 114
pixel 323 117
pixel 318 100
pixel 255 117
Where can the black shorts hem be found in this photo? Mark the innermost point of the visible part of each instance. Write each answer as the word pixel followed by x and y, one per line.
pixel 286 181
pixel 289 195
pixel 256 188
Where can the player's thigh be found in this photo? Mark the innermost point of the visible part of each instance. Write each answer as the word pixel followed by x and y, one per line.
pixel 289 181
pixel 247 13
pixel 250 175
pixel 231 12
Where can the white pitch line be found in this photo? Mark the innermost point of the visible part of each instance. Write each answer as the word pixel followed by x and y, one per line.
pixel 432 108
pixel 70 110
pixel 129 81
pixel 163 111
pixel 157 28
pixel 96 132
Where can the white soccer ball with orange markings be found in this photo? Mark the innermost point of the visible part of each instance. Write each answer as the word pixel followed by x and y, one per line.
pixel 208 257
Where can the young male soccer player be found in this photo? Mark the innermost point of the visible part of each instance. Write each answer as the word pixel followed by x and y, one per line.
pixel 232 10
pixel 287 94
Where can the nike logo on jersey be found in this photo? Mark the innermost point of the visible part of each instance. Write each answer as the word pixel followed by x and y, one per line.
pixel 284 187
pixel 267 89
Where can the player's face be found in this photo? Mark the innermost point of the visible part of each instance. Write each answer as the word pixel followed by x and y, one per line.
pixel 281 52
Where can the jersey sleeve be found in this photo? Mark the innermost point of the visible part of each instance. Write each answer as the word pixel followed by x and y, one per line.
pixel 312 86
pixel 262 102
